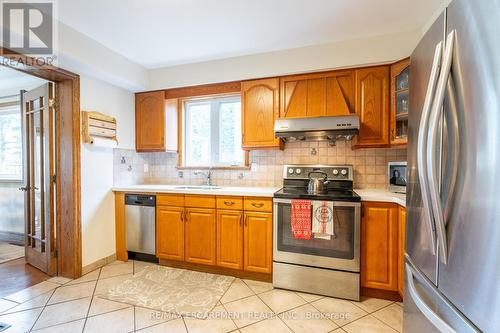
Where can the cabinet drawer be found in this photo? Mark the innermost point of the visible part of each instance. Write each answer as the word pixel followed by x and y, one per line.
pixel 258 204
pixel 233 203
pixel 202 201
pixel 176 200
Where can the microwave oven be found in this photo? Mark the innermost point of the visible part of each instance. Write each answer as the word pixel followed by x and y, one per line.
pixel 397 176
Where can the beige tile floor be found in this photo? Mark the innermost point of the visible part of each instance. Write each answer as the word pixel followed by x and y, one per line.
pixel 64 305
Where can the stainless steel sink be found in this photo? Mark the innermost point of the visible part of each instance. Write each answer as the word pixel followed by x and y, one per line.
pixel 198 187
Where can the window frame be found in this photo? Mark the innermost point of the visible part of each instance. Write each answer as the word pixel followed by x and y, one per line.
pixel 214 100
pixel 13 107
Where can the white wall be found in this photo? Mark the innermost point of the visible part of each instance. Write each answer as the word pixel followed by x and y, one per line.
pixel 97 206
pixel 83 55
pixel 366 51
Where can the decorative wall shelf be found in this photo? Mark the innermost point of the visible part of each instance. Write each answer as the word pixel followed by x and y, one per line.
pixel 96 125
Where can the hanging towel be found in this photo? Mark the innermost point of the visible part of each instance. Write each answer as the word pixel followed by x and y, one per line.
pixel 301 219
pixel 322 219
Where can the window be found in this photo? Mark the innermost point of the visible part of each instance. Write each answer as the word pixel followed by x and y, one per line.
pixel 11 145
pixel 212 132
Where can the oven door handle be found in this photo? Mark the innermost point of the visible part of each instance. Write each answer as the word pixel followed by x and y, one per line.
pixel 285 201
pixel 335 203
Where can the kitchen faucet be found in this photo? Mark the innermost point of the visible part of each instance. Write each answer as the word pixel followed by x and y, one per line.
pixel 207 174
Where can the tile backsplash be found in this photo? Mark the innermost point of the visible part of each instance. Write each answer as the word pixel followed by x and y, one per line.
pixel 370 165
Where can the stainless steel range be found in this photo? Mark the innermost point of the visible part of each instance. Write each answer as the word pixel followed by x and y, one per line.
pixel 326 264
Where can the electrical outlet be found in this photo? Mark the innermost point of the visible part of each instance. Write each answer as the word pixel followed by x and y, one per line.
pixel 146 167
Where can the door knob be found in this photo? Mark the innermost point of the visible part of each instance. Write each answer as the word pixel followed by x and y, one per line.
pixel 24 188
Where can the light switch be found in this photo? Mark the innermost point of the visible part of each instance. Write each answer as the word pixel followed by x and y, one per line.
pixel 146 167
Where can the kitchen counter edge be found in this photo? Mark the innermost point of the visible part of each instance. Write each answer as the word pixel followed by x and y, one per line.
pixel 225 190
pixel 381 196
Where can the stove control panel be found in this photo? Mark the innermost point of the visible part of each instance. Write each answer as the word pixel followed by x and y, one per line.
pixel 333 172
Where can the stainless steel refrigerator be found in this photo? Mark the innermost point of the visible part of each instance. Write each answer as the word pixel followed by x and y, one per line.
pixel 452 260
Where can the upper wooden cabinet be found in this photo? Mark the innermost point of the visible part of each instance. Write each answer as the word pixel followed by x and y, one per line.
pixel 400 74
pixel 155 122
pixel 372 106
pixel 379 246
pixel 260 107
pixel 316 95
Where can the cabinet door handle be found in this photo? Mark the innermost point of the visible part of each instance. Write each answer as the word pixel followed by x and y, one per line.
pixel 186 216
pixel 246 218
pixel 257 205
pixel 241 220
pixel 182 216
pixel 393 136
pixel 228 203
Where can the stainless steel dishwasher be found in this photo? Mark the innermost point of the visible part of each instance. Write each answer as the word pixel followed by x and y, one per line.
pixel 140 216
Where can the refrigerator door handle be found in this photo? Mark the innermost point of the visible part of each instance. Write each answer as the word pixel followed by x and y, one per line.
pixel 439 323
pixel 432 165
pixel 422 143
pixel 451 116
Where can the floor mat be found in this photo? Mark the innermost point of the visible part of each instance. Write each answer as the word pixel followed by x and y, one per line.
pixel 178 291
pixel 10 252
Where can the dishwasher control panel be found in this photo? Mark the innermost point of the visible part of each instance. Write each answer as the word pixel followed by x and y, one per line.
pixel 140 200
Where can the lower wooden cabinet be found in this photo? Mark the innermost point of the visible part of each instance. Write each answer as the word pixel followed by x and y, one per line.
pixel 379 246
pixel 230 238
pixel 170 232
pixel 258 242
pixel 200 236
pixel 189 229
pixel 401 249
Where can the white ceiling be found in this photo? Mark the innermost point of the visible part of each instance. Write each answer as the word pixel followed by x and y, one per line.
pixel 157 33
pixel 12 81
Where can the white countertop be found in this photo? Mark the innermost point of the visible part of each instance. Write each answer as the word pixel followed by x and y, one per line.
pixel 365 194
pixel 381 195
pixel 224 190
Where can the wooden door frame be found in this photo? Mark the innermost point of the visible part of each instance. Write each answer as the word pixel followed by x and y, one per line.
pixel 67 140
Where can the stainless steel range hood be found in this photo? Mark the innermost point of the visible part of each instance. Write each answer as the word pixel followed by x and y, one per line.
pixel 317 129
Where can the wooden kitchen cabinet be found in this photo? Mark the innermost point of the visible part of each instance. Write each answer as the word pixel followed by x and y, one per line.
pixel 317 95
pixel 155 122
pixel 258 242
pixel 260 107
pixel 401 249
pixel 400 92
pixel 200 236
pixel 379 246
pixel 170 232
pixel 149 121
pixel 230 238
pixel 372 106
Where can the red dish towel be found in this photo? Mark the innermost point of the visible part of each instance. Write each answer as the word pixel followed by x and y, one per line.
pixel 301 219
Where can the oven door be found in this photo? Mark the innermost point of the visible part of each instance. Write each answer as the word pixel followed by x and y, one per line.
pixel 340 252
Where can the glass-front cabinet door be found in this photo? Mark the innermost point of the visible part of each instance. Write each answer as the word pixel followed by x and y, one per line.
pixel 400 73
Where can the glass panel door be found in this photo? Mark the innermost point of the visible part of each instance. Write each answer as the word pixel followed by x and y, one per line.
pixel 402 93
pixel 38 119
